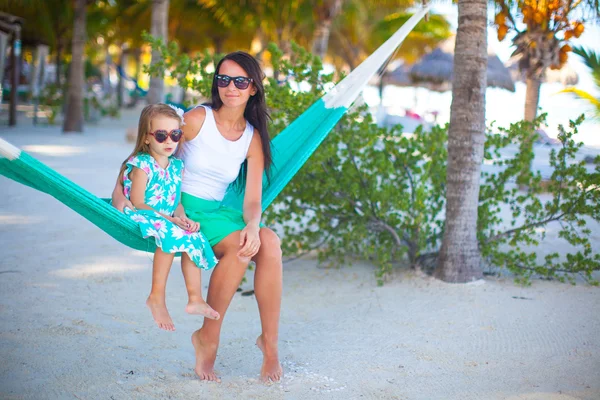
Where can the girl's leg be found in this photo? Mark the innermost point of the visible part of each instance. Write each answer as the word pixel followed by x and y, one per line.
pixel 156 300
pixel 267 288
pixel 192 276
pixel 224 281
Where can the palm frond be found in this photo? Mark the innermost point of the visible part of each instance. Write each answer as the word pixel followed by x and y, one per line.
pixel 592 60
pixel 583 95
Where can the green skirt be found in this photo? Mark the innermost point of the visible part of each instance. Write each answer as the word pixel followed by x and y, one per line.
pixel 216 220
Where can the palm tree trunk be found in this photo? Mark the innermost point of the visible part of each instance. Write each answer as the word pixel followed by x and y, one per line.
pixel 58 60
pixel 123 61
pixel 160 18
pixel 323 30
pixel 460 259
pixel 74 115
pixel 532 98
pixel 321 39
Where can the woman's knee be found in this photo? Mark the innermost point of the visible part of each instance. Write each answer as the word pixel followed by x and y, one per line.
pixel 270 244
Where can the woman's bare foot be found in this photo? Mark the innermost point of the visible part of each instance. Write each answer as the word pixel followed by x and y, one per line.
pixel 206 354
pixel 201 307
pixel 158 308
pixel 271 370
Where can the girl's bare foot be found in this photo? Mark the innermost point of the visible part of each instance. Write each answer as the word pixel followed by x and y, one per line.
pixel 206 354
pixel 201 307
pixel 158 308
pixel 271 370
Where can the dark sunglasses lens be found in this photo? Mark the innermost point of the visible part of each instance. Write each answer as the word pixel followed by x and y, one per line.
pixel 223 81
pixel 176 135
pixel 160 136
pixel 241 83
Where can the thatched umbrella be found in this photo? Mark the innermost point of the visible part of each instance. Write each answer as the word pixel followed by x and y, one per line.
pixel 401 77
pixel 566 76
pixel 435 70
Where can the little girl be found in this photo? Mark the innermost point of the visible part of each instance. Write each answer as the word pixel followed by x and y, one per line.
pixel 152 181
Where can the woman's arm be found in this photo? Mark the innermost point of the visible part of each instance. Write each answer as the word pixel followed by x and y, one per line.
pixel 249 239
pixel 119 201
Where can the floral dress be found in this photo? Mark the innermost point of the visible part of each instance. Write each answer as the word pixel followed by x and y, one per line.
pixel 163 194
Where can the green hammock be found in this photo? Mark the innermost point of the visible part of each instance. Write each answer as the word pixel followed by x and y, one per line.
pixel 291 148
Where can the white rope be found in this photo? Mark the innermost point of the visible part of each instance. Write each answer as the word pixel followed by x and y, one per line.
pixel 345 92
pixel 9 151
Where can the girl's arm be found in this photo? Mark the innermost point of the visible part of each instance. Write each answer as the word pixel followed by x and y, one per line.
pixel 186 223
pixel 119 201
pixel 139 179
pixel 249 238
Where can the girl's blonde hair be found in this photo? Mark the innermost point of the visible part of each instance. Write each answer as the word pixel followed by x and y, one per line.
pixel 149 112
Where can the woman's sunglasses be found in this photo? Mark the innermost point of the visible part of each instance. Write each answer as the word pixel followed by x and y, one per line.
pixel 240 82
pixel 162 135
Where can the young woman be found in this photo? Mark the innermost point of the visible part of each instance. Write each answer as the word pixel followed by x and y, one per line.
pixel 226 141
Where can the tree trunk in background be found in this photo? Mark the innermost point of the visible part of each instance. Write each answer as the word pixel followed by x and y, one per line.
pixel 532 98
pixel 326 14
pixel 460 259
pixel 218 44
pixel 58 57
pixel 124 57
pixel 160 18
pixel 74 111
pixel 532 101
pixel 108 89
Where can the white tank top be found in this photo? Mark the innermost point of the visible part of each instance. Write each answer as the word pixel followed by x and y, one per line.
pixel 212 162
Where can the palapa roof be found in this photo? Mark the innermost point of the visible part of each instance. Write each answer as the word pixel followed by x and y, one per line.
pixel 435 69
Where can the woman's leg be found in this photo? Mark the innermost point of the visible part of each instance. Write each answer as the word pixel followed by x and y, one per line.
pixel 192 275
pixel 156 302
pixel 224 281
pixel 267 288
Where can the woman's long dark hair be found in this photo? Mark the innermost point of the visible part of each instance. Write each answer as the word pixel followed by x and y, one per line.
pixel 256 109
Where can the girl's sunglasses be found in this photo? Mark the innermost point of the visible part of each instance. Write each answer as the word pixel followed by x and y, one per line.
pixel 240 82
pixel 162 135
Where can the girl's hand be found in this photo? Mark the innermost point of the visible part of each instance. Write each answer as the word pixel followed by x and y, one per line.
pixel 249 241
pixel 185 223
pixel 192 226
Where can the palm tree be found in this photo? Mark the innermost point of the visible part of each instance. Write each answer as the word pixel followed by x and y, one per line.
pixel 592 60
pixel 361 29
pixel 325 12
pixel 74 106
pixel 460 259
pixel 160 18
pixel 543 42
pixel 46 21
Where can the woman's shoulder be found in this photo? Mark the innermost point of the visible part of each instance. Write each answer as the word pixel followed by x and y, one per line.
pixel 194 119
pixel 195 115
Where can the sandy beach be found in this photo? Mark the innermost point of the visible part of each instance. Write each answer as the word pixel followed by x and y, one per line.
pixel 73 323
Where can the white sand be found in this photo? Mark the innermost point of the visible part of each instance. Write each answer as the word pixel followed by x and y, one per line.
pixel 73 324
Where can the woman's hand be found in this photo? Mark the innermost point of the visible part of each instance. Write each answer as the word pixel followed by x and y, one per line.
pixel 119 201
pixel 249 241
